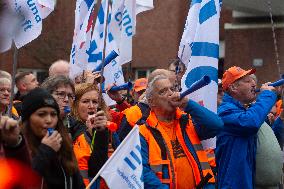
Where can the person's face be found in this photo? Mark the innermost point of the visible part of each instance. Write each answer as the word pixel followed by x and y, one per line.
pixel 30 82
pixel 88 104
pixel 42 119
pixel 180 71
pixel 244 90
pixel 160 99
pixel 5 93
pixel 64 97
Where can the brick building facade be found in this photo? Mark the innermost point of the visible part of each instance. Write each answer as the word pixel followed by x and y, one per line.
pixel 156 41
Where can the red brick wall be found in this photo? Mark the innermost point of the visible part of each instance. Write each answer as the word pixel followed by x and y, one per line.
pixel 158 33
pixel 243 45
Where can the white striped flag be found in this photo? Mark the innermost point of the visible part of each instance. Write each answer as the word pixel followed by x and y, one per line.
pixel 124 168
pixel 199 50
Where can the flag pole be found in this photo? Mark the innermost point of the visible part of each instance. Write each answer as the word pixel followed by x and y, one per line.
pixel 102 70
pixel 129 68
pixel 103 58
pixel 15 62
pixel 113 155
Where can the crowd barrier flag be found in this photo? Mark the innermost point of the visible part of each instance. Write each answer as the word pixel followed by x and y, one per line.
pixel 199 50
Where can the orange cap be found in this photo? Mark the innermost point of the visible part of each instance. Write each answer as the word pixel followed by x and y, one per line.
pixel 232 74
pixel 140 84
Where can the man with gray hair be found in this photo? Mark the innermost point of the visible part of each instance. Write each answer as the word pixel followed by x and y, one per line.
pixel 172 154
pixel 139 113
pixel 60 67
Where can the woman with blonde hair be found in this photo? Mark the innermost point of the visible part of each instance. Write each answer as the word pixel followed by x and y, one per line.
pixel 88 130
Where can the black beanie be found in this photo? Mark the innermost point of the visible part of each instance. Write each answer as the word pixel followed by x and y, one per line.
pixel 35 99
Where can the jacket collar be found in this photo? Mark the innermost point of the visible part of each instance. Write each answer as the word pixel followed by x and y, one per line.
pixel 153 121
pixel 229 99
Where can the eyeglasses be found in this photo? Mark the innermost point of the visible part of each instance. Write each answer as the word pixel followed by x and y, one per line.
pixel 3 90
pixel 62 95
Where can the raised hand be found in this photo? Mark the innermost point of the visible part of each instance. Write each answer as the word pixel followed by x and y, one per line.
pixel 53 141
pixel 97 121
pixel 9 130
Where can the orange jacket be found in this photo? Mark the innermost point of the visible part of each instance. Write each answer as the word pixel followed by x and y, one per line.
pixel 82 152
pixel 197 157
pixel 279 107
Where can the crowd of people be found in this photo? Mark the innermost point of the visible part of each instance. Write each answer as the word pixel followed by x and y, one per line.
pixel 59 133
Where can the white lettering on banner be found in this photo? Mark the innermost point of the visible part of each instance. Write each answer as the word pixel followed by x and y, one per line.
pixel 125 20
pixel 33 8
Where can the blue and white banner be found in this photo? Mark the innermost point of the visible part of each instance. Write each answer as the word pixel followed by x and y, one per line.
pixel 199 50
pixel 21 21
pixel 123 25
pixel 84 21
pixel 88 46
pixel 124 168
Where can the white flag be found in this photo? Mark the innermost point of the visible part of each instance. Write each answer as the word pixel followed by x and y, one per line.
pixel 123 25
pixel 21 21
pixel 84 21
pixel 124 167
pixel 143 5
pixel 199 50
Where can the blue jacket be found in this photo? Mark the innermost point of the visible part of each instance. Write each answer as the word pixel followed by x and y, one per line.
pixel 207 125
pixel 236 144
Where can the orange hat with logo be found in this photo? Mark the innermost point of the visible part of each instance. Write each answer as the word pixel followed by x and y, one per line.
pixel 234 73
pixel 140 84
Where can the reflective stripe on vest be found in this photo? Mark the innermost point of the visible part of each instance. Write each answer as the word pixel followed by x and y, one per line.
pixel 199 156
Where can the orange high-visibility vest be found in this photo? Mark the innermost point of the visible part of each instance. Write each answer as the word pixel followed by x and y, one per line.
pixel 14 111
pixel 132 114
pixel 279 108
pixel 136 114
pixel 200 165
pixel 82 152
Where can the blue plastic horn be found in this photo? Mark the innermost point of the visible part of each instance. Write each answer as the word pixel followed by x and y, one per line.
pixel 205 80
pixel 275 84
pixel 108 59
pixel 125 86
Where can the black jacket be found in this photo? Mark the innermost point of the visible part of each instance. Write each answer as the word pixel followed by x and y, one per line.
pixel 52 171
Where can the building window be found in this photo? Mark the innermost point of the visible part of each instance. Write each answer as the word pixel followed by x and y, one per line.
pixel 139 73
